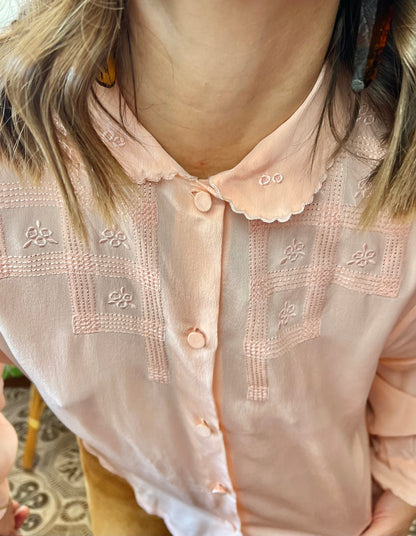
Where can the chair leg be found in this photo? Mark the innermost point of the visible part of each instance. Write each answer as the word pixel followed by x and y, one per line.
pixel 36 407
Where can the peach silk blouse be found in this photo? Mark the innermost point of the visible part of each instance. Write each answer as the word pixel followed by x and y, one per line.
pixel 236 347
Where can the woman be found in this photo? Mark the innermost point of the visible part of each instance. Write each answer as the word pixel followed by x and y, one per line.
pixel 223 242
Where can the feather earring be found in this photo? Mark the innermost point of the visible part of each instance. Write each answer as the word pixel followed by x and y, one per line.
pixel 375 23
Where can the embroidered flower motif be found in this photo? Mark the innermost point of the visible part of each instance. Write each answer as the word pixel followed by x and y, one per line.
pixel 114 238
pixel 365 116
pixel 114 139
pixel 265 179
pixel 287 312
pixel 39 235
pixel 122 299
pixel 293 251
pixel 363 257
pixel 362 189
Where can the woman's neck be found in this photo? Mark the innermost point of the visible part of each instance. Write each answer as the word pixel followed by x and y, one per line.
pixel 214 77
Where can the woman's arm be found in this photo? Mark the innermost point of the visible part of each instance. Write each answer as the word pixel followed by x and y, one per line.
pixel 8 444
pixel 12 515
pixel 391 422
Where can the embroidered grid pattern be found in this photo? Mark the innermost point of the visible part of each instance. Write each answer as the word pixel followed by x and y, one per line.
pixel 329 216
pixel 13 195
pixel 256 340
pixel 81 267
pixel 4 265
pixel 145 225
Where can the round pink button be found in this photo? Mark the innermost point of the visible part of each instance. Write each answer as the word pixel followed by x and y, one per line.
pixel 203 201
pixel 196 339
pixel 218 488
pixel 203 429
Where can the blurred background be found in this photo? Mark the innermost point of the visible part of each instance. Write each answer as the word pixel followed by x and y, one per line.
pixel 8 10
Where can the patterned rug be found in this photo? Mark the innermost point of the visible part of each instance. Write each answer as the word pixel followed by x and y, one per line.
pixel 54 490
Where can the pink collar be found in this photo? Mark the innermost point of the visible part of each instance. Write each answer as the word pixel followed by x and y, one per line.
pixel 272 182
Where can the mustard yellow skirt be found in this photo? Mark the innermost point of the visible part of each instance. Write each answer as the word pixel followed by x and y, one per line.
pixel 112 504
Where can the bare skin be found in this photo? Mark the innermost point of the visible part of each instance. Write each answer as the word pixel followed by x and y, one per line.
pixel 214 77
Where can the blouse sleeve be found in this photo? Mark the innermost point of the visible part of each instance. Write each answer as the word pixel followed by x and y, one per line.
pixel 8 437
pixel 391 412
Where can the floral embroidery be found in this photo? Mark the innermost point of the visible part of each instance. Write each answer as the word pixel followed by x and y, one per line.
pixel 284 315
pixel 116 141
pixel 365 116
pixel 277 178
pixel 122 299
pixel 39 235
pixel 363 188
pixel 364 257
pixel 293 251
pixel 115 238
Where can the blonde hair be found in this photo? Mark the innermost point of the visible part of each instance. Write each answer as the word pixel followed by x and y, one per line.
pixel 51 55
pixel 49 59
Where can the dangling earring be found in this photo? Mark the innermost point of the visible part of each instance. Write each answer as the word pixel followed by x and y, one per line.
pixel 107 76
pixel 375 23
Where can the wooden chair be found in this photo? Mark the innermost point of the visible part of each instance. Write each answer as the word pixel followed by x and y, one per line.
pixel 36 408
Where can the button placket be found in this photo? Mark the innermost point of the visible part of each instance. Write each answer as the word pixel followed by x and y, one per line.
pixel 199 339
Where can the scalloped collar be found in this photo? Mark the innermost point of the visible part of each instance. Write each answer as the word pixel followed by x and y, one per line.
pixel 272 182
